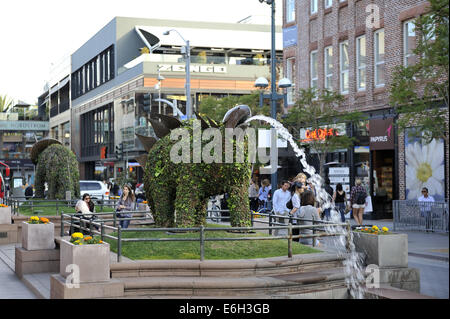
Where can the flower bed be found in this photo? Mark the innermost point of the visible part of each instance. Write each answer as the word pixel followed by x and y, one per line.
pixel 373 230
pixel 86 257
pixel 381 247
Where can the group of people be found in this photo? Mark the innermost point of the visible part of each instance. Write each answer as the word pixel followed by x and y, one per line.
pixel 85 207
pixel 297 199
pixel 259 196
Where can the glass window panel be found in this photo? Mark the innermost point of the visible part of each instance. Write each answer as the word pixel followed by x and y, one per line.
pixel 314 6
pixel 290 10
pixel 328 3
pixel 314 69
pixel 379 58
pixel 380 74
pixel 379 45
pixel 362 78
pixel 344 78
pixel 328 61
pixel 409 43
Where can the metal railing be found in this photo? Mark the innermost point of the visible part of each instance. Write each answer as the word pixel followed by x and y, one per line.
pixel 36 205
pixel 425 216
pixel 317 227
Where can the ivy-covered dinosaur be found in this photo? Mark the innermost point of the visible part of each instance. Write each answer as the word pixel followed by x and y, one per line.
pixel 57 166
pixel 178 193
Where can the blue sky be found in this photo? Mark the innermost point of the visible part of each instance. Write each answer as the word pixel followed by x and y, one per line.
pixel 35 34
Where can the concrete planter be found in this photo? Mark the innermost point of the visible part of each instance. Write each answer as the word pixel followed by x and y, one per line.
pixel 383 250
pixel 38 236
pixel 92 261
pixel 5 215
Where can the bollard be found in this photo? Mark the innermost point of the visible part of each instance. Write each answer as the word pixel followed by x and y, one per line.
pixel 202 243
pixel 314 232
pixel 57 208
pixel 252 217
pixel 290 240
pixel 102 231
pixel 270 223
pixel 119 243
pixel 71 224
pixel 62 225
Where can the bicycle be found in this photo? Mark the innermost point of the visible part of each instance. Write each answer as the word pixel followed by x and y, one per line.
pixel 215 210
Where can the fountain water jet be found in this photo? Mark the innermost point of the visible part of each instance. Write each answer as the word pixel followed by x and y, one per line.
pixel 352 263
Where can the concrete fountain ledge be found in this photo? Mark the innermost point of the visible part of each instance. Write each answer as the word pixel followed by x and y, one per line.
pixel 227 268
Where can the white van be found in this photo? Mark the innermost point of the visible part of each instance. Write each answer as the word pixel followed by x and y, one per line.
pixel 96 189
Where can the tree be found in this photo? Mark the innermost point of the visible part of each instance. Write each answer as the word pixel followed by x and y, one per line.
pixel 5 103
pixel 419 92
pixel 318 111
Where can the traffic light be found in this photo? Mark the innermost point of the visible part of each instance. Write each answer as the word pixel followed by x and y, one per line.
pixel 146 102
pixel 119 151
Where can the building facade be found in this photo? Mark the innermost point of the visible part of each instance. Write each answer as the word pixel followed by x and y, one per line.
pixel 353 47
pixel 130 70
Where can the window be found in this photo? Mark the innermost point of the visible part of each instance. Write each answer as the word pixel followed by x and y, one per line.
pixel 94 73
pixel 314 6
pixel 409 43
pixel 290 74
pixel 313 67
pixel 290 11
pixel 344 66
pixel 328 3
pixel 328 67
pixel 379 58
pixel 361 63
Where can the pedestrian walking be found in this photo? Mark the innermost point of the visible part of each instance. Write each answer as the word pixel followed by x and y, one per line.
pixel 339 200
pixel 296 203
pixel 330 192
pixel 126 203
pixel 280 198
pixel 263 194
pixel 309 213
pixel 253 192
pixel 29 192
pixel 425 201
pixel 358 201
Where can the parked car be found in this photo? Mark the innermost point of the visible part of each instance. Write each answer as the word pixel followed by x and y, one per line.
pixel 96 189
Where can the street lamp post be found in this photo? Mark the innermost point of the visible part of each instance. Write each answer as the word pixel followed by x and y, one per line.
pixel 262 83
pixel 187 55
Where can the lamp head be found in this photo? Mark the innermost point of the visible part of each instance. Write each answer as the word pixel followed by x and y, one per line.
pixel 284 83
pixel 166 32
pixel 261 82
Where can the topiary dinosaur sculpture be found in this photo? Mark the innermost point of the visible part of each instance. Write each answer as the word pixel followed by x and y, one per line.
pixel 178 193
pixel 57 166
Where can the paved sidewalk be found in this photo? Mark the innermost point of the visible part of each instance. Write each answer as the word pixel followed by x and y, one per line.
pixel 11 287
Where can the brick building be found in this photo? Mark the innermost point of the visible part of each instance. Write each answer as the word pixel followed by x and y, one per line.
pixel 353 46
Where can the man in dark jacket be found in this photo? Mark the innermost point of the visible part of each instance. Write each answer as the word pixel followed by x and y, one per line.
pixel 29 192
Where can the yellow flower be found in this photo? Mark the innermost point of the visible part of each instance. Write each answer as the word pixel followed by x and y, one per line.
pixel 77 235
pixel 375 228
pixel 34 218
pixel 385 229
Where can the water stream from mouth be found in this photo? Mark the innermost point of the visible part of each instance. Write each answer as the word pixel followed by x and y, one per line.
pixel 352 263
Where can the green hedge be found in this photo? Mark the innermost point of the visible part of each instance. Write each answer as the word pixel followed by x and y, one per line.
pixel 58 167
